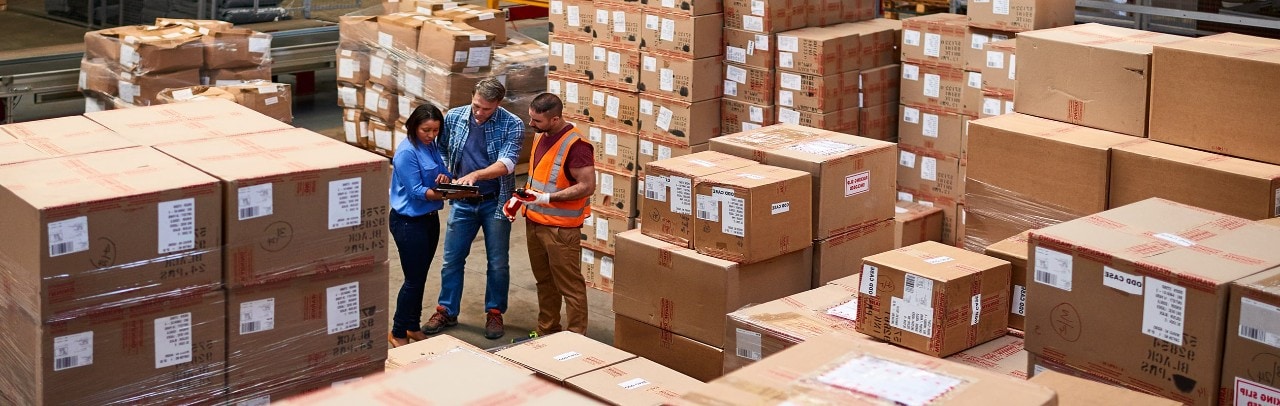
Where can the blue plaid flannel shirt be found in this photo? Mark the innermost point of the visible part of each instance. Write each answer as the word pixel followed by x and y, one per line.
pixel 504 135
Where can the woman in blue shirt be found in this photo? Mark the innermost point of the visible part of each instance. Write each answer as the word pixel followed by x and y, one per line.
pixel 415 219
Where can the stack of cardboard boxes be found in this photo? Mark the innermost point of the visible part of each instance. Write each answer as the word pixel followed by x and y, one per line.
pixel 272 99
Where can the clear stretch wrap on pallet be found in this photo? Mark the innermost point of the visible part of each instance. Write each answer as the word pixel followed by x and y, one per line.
pixel 135 63
pixel 274 100
pixel 992 214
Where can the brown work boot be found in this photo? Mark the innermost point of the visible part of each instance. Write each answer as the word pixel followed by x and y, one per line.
pixel 439 321
pixel 493 328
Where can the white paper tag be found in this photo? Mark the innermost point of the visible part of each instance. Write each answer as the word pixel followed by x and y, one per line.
pixel 786 60
pixel 1013 70
pixel 651 22
pixel 708 208
pixel 911 115
pixel 343 307
pixel 557 49
pixel 932 45
pixel 939 260
pixel 1163 309
pixel 1000 7
pixel 68 236
pixel 254 201
pixel 753 23
pixel 756 114
pixel 646 107
pixel 1053 268
pixel 787 43
pixel 588 256
pixel 1019 306
pixel 735 213
pixel 788 116
pixel 344 203
pixel 906 197
pixel 975 80
pixel 666 80
pixel 779 208
pixel 932 85
pixel 650 63
pixel 602 16
pixel 748 344
pixel 602 229
pixel 787 99
pixel 631 384
pixel 907 159
pixel 571 92
pixel 590 221
pixel 847 310
pixel 655 188
pixel 669 3
pixel 349 130
pixel 911 317
pixel 911 38
pixel 1259 322
pixel 646 146
pixel 612 104
pixel 681 195
pixel 177 225
pixel 746 126
pixel 599 54
pixel 1176 239
pixel 570 54
pixel 917 290
pixel 567 356
pixel 930 125
pixel 557 7
pixel 910 72
pixel 664 152
pixel 606 184
pixel 1250 393
pixel 614 65
pixel 975 309
pixel 1124 282
pixel 259 45
pixel 664 118
pixel 610 141
pixel 173 340
pixel 884 380
pixel 978 40
pixel 790 81
pixel 761 42
pixel 668 32
pixel 479 56
pixel 735 74
pixel 870 277
pixel 71 351
pixel 257 315
pixel 990 107
pixel 574 16
pixel 929 168
pixel 731 54
pixel 995 59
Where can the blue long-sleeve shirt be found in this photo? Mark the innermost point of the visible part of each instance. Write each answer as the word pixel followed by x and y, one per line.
pixel 416 168
pixel 504 135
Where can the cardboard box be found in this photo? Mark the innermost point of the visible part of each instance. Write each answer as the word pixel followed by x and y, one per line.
pixel 234 76
pixel 687 293
pixel 973 96
pixel 1251 339
pixel 1038 365
pixel 354 126
pixel 637 381
pixel 878 41
pixel 839 369
pixel 937 88
pixel 597 269
pixel 564 355
pixel 617 25
pixel 600 230
pixel 97 76
pixel 235 48
pixel 765 16
pixel 975 55
pixel 153 50
pixel 614 67
pixel 1079 391
pixel 762 330
pixel 935 40
pixel 685 36
pixel 839 256
pixel 106 229
pixel 1022 15
pixel 183 94
pixel 818 94
pixel 690 7
pixel 916 223
pixel 142 89
pixel 748 48
pixel 613 108
pixel 682 354
pixel 350 97
pixel 358 32
pixel 273 100
pixel 841 121
pixel 384 69
pixel 570 57
pixel 679 122
pixel 163 350
pixel 402 31
pixel 615 150
pixel 1228 185
pixel 312 384
pixel 931 172
pixel 996 105
pixel 822 13
pixel 1183 257
pixel 674 77
pixel 381 102
pixel 328 215
pixel 738 116
pixel 1109 92
pixel 744 214
pixel 615 193
pixel 879 122
pixel 485 19
pixel 457 46
pixel 1191 71
pixel 381 138
pixel 438 346
pixel 576 95
pixel 448 89
pixel 65 136
pixel 818 51
pixel 571 18
pixel 1014 249
pixel 879 86
pixel 668 194
pixel 654 149
pixel 748 84
pixel 526 66
pixel 311 326
pixel 1004 355
pixel 999 67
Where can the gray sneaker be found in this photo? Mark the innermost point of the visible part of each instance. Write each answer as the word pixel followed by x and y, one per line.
pixel 439 321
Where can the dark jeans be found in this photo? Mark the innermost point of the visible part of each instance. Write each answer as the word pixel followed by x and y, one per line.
pixel 416 239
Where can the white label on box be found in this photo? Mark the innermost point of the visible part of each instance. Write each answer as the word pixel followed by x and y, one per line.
pixel 1250 393
pixel 867 284
pixel 257 315
pixel 664 118
pixel 557 7
pixel 786 60
pixel 939 260
pixel 1163 309
pixel 664 152
pixel 666 80
pixel 762 42
pixel 669 3
pixel 68 236
pixel 887 380
pixel 557 49
pixel 735 217
pixel 822 147
pixel 590 221
pixel 925 203
pixel 978 40
pixel 732 54
pixel 606 266
pixel 646 107
pixel 606 184
pixel 615 63
pixel 597 97
pixel 786 98
pixel 610 142
pixel 646 146
pixel 619 21
pixel 911 115
pixel 681 194
pixel 847 310
pixel 746 126
pixel 907 159
pixel 1000 7
pixel 787 43
pixel 650 63
pixel 917 290
pixel 633 383
pixel 574 17
pixel 259 45
pixel 788 116
pixel 779 208
pixel 975 80
pixel 553 87
pixel 611 106
pixel 910 317
pixel 179 95
pixel 930 125
pixel 1124 282
pixel 1259 322
pixel 567 356
pixel 1053 268
pixel 668 32
pixel 570 54
pixel 753 23
pixel 602 229
pixel 84 81
pixel 735 74
pixel 910 72
pixel 1013 70
pixel 129 91
pixel 932 45
pixel 1019 306
pixel 932 85
pixel 906 197
pixel 856 184
pixel 651 22
pixel 599 54
pixel 405 106
pixel 1176 239
pixel 990 107
pixel 790 81
pixel 344 203
pixel 756 114
pixel 258 401
pixel 757 7
pixel 975 308
pixel 347 68
pixel 911 38
pixel 376 66
pixel 748 345
pixel 271 100
pixel 479 56
pixel 343 307
pixel 708 208
pixel 602 16
pixel 173 340
pixel 588 256
pixel 177 225
pixel 75 350
pixel 382 139
pixel 349 128
pixel 571 92
pixel 384 40
pixel 655 188
pixel 995 59
pixel 929 168
pixel 730 88
pixel 383 104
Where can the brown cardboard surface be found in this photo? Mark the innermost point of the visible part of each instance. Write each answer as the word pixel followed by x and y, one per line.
pixel 818 51
pixel 356 32
pixel 793 375
pixel 1014 249
pixel 999 67
pixel 571 18
pixel 1220 110
pixel 98 77
pixel 817 94
pixel 972 94
pixel 182 94
pixel 12 151
pixel 916 223
pixel 879 122
pixel 613 108
pixel 1022 15
pixel 679 122
pixel 951 299
pixel 687 293
pixel 1224 184
pixel 1073 391
pixel 1037 365
pixel 1108 92
pixel 1251 341
pixel 995 105
pixel 682 35
pixel 935 40
pixel 766 17
pixel 575 94
pixel 381 102
pixel 615 150
pixel 737 116
pixel 185 121
pixel 930 172
pixel 839 256
pixel 615 193
pixel 234 76
pixel 313 384
pixel 445 44
pixel 273 100
pixel 485 19
pixel 350 96
pixel 1004 355
pixel 759 331
pixel 570 57
pixel 976 39
pixel 668 195
pixel 614 67
pixel 654 149
pixel 748 84
pixel 748 48
pixel 878 41
pixel 1183 257
pixel 878 86
pixel 324 209
pixel 841 121
pixel 142 89
pixel 930 129
pixel 690 7
pixel 424 351
pixel 564 355
pixel 401 31
pixel 597 269
pixel 236 47
pixel 751 214
pixel 938 88
pixel 953 213
pixel 66 136
pixel 160 49
pixel 682 354
pixel 635 382
pixel 674 77
pixel 604 224
pixel 385 69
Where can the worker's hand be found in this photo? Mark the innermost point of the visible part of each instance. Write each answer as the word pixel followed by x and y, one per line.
pixel 468 180
pixel 535 197
pixel 442 179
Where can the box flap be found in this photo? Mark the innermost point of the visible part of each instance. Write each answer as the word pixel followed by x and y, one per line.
pixel 564 355
pixel 1012 247
pixel 1231 45
pixel 1221 163
pixel 638 381
pixel 908 211
pixel 185 121
pixel 67 136
pixel 12 151
pixel 936 261
pixel 754 176
pixel 1079 391
pixel 98 176
pixel 1106 37
pixel 440 346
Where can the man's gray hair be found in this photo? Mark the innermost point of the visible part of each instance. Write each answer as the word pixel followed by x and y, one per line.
pixel 491 89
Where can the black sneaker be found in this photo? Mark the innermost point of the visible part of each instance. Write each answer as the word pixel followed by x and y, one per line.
pixel 439 321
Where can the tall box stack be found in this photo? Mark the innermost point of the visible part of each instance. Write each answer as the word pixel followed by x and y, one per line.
pixel 879 78
pixel 989 60
pixel 304 255
pixel 999 77
pixel 750 59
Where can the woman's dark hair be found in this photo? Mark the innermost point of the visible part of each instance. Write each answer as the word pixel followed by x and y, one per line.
pixel 424 113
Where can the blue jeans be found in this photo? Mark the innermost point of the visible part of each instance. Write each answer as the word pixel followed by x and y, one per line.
pixel 465 220
pixel 416 239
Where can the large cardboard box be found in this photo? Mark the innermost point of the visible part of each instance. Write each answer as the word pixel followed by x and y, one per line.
pixel 690 7
pixel 1004 355
pixel 748 48
pixel 759 331
pixel 999 67
pixel 425 351
pixel 571 18
pixel 925 128
pixel 381 102
pixel 818 94
pixel 354 32
pixel 1251 342
pixel 384 69
pixel 564 355
pixel 570 57
pixel 687 293
pixel 930 172
pixel 668 196
pixel 304 204
pixel 976 39
pixel 614 67
pixel 682 354
pixel 456 46
pixel 753 213
pixel 679 122
pixel 575 94
pixel 1109 91
pixel 162 350
pixel 637 381
pixel 1021 15
pixel 940 284
pixel 479 17
pixel 738 116
pixel 685 36
pixel 236 47
pixel 749 84
pixel 818 51
pixel 654 149
pixel 878 41
pixel 839 369
pixel 185 121
pixel 613 108
pixel 916 223
pixel 934 40
pixel 841 121
pixel 879 86
pixel 152 49
pixel 273 100
pixel 615 150
pixel 1073 391
pixel 101 230
pixel 98 77
pixel 1014 249
pixel 615 193
pixel 938 88
pixel 143 89
pixel 1139 284
pixel 678 78
pixel 600 230
pixel 13 151
pixel 293 330
pixel 354 126
pixel 1227 185
pixel 765 16
pixel 879 122
pixel 597 269
pixel 1196 103
pixel 840 256
pixel 64 136
pixel 402 31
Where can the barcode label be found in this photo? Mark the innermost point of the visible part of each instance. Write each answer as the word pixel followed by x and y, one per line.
pixel 250 327
pixel 1046 278
pixel 1053 268
pixel 1260 322
pixel 64 363
pixel 918 290
pixel 68 236
pixel 748 344
pixel 258 315
pixel 1250 333
pixel 708 208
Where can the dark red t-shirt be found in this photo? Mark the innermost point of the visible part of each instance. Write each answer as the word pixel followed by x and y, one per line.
pixel 581 154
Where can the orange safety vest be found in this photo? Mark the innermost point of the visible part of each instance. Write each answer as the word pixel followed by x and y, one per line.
pixel 548 176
